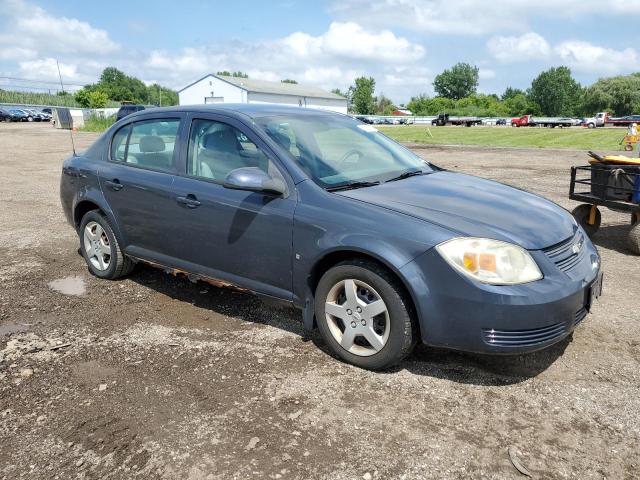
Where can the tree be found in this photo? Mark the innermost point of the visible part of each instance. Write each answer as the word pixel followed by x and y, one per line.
pixel 618 95
pixel 556 92
pixel 162 96
pixel 511 92
pixel 384 106
pixel 337 91
pixel 361 95
pixel 288 80
pixel 91 98
pixel 226 73
pixel 458 82
pixel 120 87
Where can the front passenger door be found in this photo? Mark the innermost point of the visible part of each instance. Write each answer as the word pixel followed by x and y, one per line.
pixel 242 236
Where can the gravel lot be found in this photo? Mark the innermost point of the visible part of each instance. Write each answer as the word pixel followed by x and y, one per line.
pixel 156 377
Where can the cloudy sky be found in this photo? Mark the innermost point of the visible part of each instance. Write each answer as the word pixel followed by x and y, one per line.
pixel 403 44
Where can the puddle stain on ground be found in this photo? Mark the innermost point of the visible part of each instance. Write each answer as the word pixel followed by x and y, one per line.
pixel 69 285
pixel 8 330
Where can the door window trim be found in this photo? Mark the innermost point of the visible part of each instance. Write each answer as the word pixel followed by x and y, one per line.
pixel 180 118
pixel 234 123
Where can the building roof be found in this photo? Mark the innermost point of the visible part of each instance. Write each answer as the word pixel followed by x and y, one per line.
pixel 279 88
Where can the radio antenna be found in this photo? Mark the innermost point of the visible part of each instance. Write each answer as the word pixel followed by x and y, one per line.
pixel 73 145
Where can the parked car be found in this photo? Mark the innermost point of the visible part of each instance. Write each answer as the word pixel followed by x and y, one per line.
pixel 31 115
pixel 19 115
pixel 378 247
pixel 37 116
pixel 7 116
pixel 128 109
pixel 46 117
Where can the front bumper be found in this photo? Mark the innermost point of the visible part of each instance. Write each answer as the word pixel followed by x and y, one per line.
pixel 457 312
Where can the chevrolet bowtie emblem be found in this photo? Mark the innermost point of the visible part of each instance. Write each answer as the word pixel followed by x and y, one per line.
pixel 577 246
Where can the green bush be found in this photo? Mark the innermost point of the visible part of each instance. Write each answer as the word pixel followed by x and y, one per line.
pixel 97 124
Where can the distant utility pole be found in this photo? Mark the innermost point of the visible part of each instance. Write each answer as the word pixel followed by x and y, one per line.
pixel 60 75
pixel 160 95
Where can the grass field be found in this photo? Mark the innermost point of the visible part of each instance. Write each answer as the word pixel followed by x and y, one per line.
pixel 573 137
pixel 97 124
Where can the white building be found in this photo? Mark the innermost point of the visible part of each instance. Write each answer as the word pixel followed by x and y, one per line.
pixel 223 89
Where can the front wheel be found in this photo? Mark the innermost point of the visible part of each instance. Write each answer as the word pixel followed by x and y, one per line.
pixel 364 315
pixel 582 213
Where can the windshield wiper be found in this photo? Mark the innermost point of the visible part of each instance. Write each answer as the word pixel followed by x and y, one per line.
pixel 407 174
pixel 351 186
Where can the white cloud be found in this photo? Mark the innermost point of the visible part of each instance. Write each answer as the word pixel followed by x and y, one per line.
pixel 32 28
pixel 349 40
pixel 586 57
pixel 486 74
pixel 526 47
pixel 329 60
pixel 471 17
pixel 580 56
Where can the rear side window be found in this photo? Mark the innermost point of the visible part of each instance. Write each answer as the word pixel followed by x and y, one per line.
pixel 148 144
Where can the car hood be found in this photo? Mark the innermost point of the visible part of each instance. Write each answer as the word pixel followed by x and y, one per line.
pixel 472 206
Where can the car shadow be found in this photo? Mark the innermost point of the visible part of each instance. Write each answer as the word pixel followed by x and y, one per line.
pixel 613 237
pixel 459 367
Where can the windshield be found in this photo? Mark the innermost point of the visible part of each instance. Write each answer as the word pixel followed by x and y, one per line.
pixel 336 151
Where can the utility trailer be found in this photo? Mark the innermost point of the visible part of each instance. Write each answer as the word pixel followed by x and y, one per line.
pixel 445 119
pixel 531 121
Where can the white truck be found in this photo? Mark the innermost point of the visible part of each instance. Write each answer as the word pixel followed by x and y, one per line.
pixel 598 120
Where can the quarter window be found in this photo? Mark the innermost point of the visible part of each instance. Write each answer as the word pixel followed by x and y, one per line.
pixel 148 144
pixel 216 148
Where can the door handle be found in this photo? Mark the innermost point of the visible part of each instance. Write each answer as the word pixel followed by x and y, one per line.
pixel 114 184
pixel 189 201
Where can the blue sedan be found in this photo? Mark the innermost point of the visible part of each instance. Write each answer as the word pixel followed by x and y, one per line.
pixel 379 248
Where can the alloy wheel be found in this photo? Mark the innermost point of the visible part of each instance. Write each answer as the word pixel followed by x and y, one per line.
pixel 357 317
pixel 97 246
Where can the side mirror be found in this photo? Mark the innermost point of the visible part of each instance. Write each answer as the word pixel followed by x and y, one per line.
pixel 253 179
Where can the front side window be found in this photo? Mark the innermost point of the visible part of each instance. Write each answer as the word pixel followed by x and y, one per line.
pixel 336 150
pixel 148 144
pixel 217 148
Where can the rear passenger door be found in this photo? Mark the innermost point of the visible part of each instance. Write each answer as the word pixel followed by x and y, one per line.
pixel 137 179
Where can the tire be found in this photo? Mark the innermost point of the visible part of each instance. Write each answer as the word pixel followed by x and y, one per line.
pixel 118 264
pixel 581 214
pixel 399 334
pixel 591 125
pixel 633 239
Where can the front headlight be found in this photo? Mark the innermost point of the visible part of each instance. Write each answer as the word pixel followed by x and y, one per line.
pixel 490 261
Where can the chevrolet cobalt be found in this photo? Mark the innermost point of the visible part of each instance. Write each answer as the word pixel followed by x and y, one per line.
pixel 377 247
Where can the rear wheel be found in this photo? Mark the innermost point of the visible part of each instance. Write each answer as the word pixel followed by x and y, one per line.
pixel 582 214
pixel 364 316
pixel 101 249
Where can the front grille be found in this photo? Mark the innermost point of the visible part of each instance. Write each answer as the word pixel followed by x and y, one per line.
pixel 579 316
pixel 523 338
pixel 563 254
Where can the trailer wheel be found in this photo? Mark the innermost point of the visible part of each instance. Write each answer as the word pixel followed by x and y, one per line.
pixel 581 213
pixel 634 238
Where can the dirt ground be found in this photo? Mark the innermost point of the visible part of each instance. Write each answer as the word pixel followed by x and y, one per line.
pixel 156 377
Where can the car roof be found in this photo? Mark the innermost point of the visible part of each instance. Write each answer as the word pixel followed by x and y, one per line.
pixel 245 110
